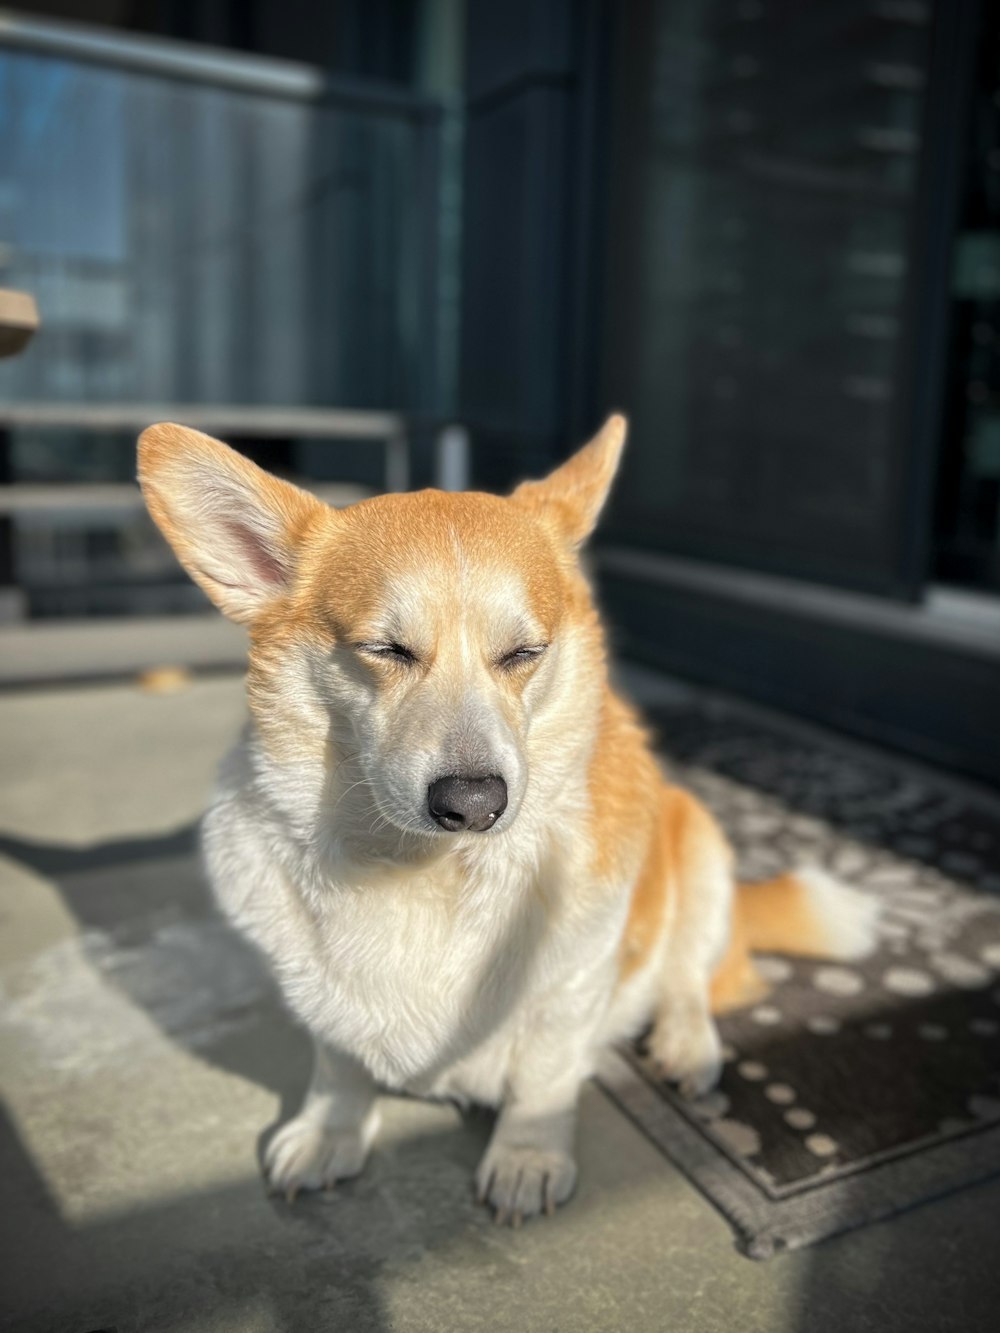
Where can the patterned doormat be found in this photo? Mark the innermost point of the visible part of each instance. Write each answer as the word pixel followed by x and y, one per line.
pixel 852 1091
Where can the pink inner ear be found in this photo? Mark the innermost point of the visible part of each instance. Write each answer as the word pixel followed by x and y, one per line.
pixel 264 564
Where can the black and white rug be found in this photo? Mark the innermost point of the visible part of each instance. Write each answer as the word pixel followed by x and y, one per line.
pixel 850 1092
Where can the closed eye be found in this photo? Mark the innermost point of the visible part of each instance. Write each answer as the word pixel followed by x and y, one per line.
pixel 521 656
pixel 398 651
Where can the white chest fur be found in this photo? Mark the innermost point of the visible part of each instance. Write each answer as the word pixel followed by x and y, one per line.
pixel 428 978
pixel 413 983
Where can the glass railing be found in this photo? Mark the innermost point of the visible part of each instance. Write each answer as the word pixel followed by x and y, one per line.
pixel 237 242
pixel 211 227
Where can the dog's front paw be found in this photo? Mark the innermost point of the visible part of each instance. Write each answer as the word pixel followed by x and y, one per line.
pixel 304 1155
pixel 686 1048
pixel 520 1182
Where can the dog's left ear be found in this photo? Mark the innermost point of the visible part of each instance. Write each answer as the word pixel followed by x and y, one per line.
pixel 236 530
pixel 571 497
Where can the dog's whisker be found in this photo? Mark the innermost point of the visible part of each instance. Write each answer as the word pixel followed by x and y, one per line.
pixel 361 782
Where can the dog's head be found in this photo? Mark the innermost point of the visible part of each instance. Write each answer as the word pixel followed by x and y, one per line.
pixel 425 650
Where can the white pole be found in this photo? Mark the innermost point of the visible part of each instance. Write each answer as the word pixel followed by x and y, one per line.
pixel 453 459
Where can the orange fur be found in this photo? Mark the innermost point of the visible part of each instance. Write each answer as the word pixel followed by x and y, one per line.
pixel 736 982
pixel 569 499
pixel 650 899
pixel 625 790
pixel 777 918
pixel 683 836
pixel 771 916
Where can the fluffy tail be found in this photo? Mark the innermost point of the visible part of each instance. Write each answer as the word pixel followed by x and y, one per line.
pixel 807 913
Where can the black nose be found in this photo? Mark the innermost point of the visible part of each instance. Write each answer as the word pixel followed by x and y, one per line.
pixel 474 804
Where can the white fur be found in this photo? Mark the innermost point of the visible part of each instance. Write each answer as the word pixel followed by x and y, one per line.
pixel 433 976
pixel 849 917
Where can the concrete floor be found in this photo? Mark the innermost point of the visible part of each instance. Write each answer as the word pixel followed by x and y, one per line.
pixel 143 1055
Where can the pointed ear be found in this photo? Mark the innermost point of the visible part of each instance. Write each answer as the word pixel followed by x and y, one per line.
pixel 571 497
pixel 235 529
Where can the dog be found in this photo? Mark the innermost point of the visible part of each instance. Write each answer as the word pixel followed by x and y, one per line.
pixel 442 827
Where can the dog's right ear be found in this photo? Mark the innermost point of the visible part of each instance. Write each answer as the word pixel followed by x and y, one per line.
pixel 570 498
pixel 235 529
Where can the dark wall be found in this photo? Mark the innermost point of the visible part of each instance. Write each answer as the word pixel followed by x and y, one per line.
pixel 933 700
pixel 532 137
pixel 968 493
pixel 778 279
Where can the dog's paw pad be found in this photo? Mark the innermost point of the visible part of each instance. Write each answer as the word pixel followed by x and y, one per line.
pixel 305 1156
pixel 521 1182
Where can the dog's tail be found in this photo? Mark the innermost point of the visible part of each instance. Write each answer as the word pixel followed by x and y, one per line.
pixel 806 913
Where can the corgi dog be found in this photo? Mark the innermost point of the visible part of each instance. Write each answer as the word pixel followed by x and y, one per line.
pixel 445 831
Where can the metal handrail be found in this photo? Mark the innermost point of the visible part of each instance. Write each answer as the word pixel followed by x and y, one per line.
pixel 392 429
pixel 173 59
pixel 238 418
pixel 28 501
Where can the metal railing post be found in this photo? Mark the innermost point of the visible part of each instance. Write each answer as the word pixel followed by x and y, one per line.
pixel 397 462
pixel 452 458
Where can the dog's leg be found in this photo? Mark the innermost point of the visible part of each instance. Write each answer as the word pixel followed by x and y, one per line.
pixel 528 1167
pixel 685 1041
pixel 329 1138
